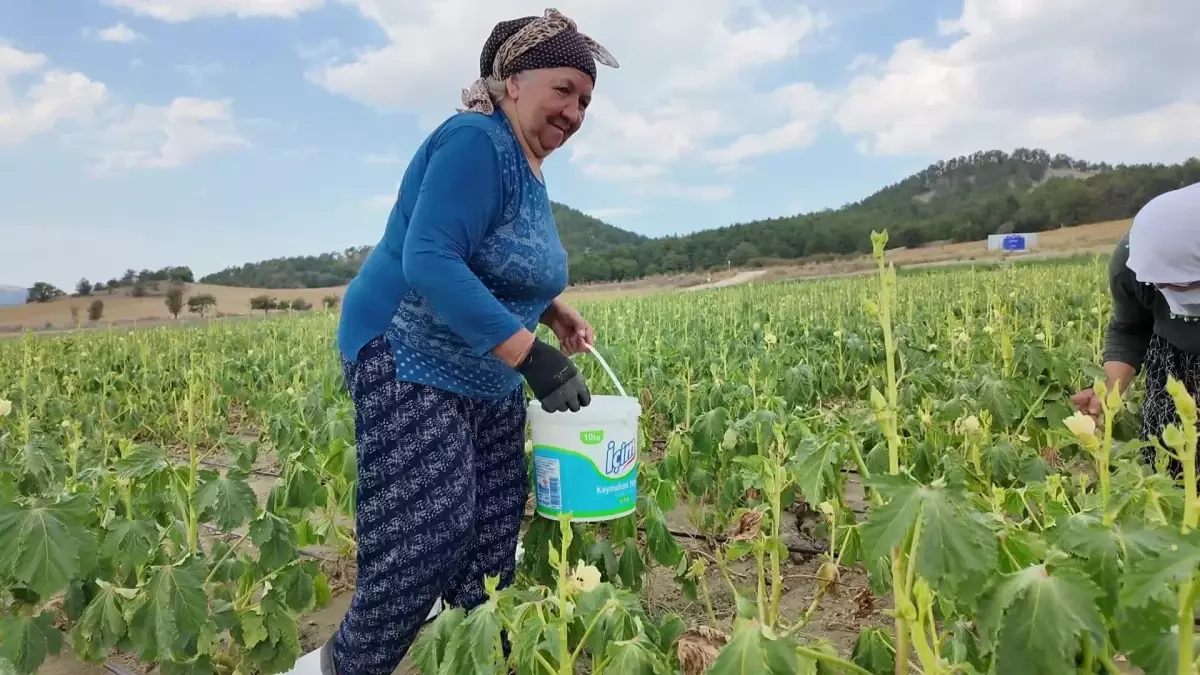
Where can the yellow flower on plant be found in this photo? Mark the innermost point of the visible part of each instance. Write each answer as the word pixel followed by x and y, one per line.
pixel 1083 426
pixel 584 578
pixel 5 407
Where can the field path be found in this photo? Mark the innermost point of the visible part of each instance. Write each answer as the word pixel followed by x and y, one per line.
pixel 735 280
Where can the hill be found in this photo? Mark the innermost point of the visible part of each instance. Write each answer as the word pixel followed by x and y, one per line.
pixel 580 233
pixel 959 200
pixel 12 295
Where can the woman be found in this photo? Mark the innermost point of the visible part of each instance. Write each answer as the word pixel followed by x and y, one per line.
pixel 1154 277
pixel 436 335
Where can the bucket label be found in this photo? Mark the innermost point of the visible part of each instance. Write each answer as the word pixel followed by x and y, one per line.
pixel 591 437
pixel 591 481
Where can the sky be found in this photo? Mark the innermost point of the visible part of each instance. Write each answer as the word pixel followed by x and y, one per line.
pixel 210 133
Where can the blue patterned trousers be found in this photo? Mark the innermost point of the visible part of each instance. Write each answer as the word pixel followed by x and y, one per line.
pixel 442 487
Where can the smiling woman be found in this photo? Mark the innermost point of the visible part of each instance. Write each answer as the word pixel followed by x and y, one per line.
pixel 437 334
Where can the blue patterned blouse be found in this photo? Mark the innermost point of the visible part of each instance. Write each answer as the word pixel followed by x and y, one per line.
pixel 470 255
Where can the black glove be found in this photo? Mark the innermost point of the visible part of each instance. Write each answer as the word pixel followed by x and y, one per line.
pixel 554 379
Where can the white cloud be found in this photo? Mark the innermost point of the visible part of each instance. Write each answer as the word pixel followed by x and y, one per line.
pixel 686 86
pixel 1112 80
pixel 187 10
pixel 804 105
pixel 54 96
pixel 164 137
pixel 118 33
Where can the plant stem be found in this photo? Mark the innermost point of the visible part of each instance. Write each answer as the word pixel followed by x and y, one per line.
pixel 901 624
pixel 225 557
pixel 1186 620
pixel 831 660
pixel 712 616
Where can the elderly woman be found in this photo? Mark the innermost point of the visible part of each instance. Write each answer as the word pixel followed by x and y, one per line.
pixel 1154 278
pixel 437 335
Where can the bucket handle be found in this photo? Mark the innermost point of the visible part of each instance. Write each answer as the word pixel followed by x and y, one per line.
pixel 604 364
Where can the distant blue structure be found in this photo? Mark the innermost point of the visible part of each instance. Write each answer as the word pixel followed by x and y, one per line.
pixel 1012 243
pixel 13 295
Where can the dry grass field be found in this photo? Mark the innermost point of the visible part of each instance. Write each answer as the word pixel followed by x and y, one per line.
pixel 121 309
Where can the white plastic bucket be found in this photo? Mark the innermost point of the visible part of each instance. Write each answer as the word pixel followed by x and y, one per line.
pixel 585 462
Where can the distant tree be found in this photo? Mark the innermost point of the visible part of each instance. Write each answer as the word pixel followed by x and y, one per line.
pixel 84 287
pixel 174 300
pixel 43 292
pixel 98 286
pixel 96 310
pixel 200 304
pixel 129 277
pixel 743 253
pixel 263 303
pixel 283 305
pixel 139 290
pixel 301 305
pixel 331 301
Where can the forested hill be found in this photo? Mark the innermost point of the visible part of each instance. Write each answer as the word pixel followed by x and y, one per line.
pixel 581 235
pixel 961 199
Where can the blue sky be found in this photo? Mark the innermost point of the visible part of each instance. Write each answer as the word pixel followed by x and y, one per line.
pixel 145 133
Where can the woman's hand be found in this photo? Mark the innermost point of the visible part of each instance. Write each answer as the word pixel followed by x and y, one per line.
pixel 574 333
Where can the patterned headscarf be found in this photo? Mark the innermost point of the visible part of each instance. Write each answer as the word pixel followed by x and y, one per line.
pixel 548 41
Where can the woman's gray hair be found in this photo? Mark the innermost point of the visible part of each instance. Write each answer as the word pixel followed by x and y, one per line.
pixel 498 89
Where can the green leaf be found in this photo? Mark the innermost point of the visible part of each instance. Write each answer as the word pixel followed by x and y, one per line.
pixel 632 567
pixel 475 643
pixel 143 461
pixel 636 656
pixel 226 500
pixel 888 526
pixel 277 651
pixel 26 640
pixel 102 624
pixel 751 652
pixel 1109 549
pixel 1149 636
pixel 1040 615
pixel 129 544
pixel 874 652
pixel 42 545
pixel 275 539
pixel 430 649
pixel 956 548
pixel 170 610
pixel 1157 578
pixel 815 466
pixel 659 540
pixel 670 627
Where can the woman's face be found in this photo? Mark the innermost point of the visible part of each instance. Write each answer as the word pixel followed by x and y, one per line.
pixel 550 104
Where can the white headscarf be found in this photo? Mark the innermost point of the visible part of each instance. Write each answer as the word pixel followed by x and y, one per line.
pixel 1164 246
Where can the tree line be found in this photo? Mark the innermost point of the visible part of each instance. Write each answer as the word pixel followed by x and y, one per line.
pixel 961 199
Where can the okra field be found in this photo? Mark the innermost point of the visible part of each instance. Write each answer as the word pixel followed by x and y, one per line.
pixel 874 474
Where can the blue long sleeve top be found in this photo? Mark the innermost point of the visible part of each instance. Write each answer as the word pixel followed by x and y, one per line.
pixel 470 255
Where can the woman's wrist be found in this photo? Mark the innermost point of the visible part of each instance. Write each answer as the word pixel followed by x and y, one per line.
pixel 514 350
pixel 551 312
